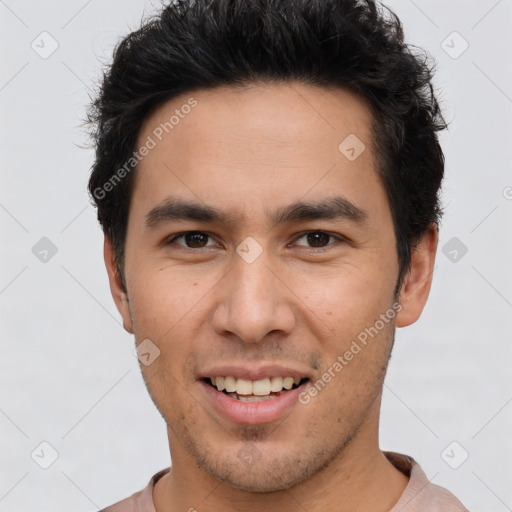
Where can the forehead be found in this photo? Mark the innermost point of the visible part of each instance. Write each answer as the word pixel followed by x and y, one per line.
pixel 266 143
pixel 256 114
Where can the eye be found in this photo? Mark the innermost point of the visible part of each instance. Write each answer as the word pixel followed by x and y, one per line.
pixel 192 239
pixel 316 239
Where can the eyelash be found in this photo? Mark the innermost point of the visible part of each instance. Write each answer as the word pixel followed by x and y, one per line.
pixel 337 238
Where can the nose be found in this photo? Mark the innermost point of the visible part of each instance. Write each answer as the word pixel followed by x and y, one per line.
pixel 253 302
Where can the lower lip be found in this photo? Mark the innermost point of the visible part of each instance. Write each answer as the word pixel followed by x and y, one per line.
pixel 252 413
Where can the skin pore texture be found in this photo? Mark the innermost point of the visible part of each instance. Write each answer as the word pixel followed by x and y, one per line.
pixel 249 152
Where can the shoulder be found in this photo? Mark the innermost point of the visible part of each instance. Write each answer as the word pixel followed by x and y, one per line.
pixel 421 495
pixel 141 501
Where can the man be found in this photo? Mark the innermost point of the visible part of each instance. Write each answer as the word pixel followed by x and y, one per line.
pixel 267 178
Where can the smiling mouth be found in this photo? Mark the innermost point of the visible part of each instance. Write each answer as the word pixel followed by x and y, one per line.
pixel 254 391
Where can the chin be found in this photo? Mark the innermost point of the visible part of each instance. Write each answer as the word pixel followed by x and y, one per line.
pixel 262 481
pixel 272 471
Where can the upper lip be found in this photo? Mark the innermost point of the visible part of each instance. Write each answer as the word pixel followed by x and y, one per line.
pixel 252 372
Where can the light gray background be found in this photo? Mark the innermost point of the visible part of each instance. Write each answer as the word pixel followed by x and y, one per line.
pixel 67 372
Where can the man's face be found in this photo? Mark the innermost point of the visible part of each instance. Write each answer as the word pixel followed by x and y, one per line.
pixel 269 290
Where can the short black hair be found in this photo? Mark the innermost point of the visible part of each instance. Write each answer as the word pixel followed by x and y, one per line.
pixel 201 44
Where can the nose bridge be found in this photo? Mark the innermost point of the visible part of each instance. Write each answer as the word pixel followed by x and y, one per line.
pixel 254 301
pixel 254 286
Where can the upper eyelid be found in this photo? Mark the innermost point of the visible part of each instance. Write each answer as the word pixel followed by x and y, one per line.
pixel 304 233
pixel 298 236
pixel 181 235
pixel 337 237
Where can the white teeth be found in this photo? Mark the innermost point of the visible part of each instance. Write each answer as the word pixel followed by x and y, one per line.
pixel 244 387
pixel 230 383
pixel 288 383
pixel 261 387
pixel 219 383
pixel 258 388
pixel 276 384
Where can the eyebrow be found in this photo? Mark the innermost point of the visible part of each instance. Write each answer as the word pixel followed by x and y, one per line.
pixel 333 208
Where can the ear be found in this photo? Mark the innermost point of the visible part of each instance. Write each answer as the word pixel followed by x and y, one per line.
pixel 417 282
pixel 116 286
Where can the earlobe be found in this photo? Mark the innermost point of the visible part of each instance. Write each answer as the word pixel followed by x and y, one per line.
pixel 417 282
pixel 119 294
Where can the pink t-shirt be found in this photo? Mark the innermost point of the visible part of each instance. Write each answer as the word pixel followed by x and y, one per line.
pixel 419 496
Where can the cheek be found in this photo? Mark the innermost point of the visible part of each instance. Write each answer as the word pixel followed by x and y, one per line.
pixel 353 372
pixel 345 299
pixel 165 298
